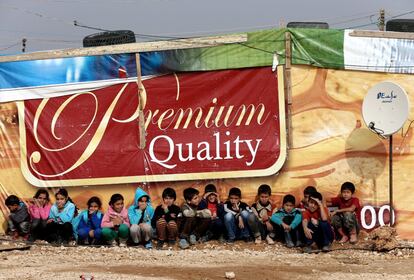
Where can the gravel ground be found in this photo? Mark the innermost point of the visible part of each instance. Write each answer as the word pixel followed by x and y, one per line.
pixel 204 261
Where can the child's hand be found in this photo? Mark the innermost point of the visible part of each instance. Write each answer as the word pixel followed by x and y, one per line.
pixel 286 227
pixel 317 201
pixel 241 224
pixel 207 194
pixel 235 207
pixel 142 206
pixel 308 233
pixel 173 215
pixel 333 213
pixel 116 221
pixel 91 233
pixel 214 216
pixel 164 206
pixel 49 221
pixel 269 226
pixel 314 221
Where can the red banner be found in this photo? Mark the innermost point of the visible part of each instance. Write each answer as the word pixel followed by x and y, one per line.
pixel 217 124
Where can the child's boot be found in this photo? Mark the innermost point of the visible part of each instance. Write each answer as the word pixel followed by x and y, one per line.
pixel 160 244
pixel 269 240
pixel 184 244
pixel 148 245
pixel 193 239
pixel 258 240
pixel 288 239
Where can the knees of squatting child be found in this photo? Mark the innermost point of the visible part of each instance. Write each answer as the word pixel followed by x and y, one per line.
pixel 165 218
pixel 259 223
pixel 316 226
pixel 115 223
pixel 287 221
pixel 236 218
pixel 19 219
pixel 195 222
pixel 344 218
pixel 87 225
pixel 140 216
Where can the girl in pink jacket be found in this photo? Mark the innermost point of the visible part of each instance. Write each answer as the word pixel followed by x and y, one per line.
pixel 39 212
pixel 115 222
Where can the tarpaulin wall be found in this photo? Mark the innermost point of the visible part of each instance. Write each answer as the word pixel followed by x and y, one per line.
pixel 330 143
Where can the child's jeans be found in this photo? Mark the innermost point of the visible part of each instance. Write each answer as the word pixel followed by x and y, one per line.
pixel 232 225
pixel 110 234
pixel 217 228
pixel 22 228
pixel 322 234
pixel 346 220
pixel 83 234
pixel 140 233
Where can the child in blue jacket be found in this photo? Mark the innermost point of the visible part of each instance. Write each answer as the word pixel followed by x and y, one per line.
pixel 140 215
pixel 87 225
pixel 288 220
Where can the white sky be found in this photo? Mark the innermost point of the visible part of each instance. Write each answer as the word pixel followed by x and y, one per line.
pixel 48 24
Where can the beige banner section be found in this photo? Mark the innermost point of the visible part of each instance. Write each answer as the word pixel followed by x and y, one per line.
pixel 330 144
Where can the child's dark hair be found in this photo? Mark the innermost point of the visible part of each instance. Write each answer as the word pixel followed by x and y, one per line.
pixel 42 191
pixel 348 186
pixel 264 189
pixel 189 193
pixel 210 188
pixel 94 199
pixel 289 198
pixel 309 189
pixel 316 195
pixel 64 192
pixel 235 192
pixel 169 192
pixel 115 197
pixel 12 200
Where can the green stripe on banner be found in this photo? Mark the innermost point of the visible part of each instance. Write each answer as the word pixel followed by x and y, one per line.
pixel 318 47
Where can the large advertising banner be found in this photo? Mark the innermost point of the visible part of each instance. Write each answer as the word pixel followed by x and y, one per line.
pixel 201 125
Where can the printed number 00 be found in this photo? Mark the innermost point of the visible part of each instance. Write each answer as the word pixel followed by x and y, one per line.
pixel 374 216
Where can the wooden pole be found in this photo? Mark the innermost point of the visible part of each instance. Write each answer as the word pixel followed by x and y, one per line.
pixel 381 20
pixel 141 120
pixel 288 89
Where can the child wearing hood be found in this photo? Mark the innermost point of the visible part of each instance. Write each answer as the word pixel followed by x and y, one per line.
pixel 19 219
pixel 115 223
pixel 87 225
pixel 59 226
pixel 140 215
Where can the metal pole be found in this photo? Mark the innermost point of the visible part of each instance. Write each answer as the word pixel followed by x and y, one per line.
pixel 390 183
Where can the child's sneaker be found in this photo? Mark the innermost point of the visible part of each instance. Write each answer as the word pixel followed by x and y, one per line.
pixel 307 249
pixel 290 244
pixel 258 240
pixel 269 240
pixel 248 239
pixel 222 239
pixel 160 244
pixel 171 243
pixel 148 245
pixel 326 248
pixel 122 242
pixel 299 243
pixel 184 244
pixel 193 239
pixel 230 241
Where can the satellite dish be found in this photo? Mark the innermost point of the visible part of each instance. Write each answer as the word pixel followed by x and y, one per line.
pixel 385 108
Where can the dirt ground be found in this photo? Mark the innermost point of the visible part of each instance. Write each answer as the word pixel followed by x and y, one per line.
pixel 205 261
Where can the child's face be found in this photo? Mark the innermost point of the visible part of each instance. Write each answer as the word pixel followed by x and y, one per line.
pixel 60 200
pixel 346 194
pixel 118 205
pixel 42 199
pixel 212 198
pixel 168 200
pixel 288 207
pixel 264 198
pixel 93 207
pixel 13 207
pixel 234 199
pixel 195 200
pixel 142 202
pixel 312 205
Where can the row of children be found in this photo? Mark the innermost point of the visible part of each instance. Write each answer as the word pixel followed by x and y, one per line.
pixel 198 220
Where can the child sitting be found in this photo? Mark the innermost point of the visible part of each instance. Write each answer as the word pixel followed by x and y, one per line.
pixel 140 215
pixel 195 222
pixel 303 205
pixel 59 228
pixel 165 218
pixel 344 219
pixel 115 222
pixel 287 220
pixel 315 224
pixel 39 213
pixel 236 217
pixel 19 219
pixel 87 225
pixel 211 202
pixel 259 223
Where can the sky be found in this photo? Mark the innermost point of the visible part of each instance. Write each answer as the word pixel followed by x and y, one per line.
pixel 49 24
